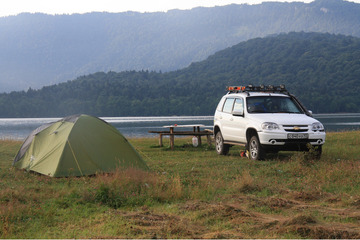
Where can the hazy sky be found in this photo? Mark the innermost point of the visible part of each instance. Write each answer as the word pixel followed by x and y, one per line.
pixel 13 7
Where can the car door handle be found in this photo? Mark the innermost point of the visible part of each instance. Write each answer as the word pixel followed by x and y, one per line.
pixel 231 119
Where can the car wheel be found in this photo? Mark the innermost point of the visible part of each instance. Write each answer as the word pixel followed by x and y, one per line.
pixel 256 151
pixel 221 148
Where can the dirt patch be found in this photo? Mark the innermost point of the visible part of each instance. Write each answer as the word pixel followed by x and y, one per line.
pixel 333 200
pixel 193 206
pixel 182 228
pixel 272 203
pixel 146 224
pixel 228 211
pixel 279 203
pixel 355 217
pixel 223 235
pixel 239 219
pixel 319 232
pixel 147 218
pixel 301 220
pixel 356 203
pixel 307 196
pixel 233 211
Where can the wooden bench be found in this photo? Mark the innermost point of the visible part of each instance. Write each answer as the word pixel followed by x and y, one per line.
pixel 196 132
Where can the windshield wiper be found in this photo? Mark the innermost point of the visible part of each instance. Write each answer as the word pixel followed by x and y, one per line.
pixel 258 111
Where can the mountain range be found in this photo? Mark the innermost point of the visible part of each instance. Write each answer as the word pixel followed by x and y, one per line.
pixel 321 69
pixel 40 50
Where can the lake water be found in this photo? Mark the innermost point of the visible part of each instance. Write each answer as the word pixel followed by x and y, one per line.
pixel 19 128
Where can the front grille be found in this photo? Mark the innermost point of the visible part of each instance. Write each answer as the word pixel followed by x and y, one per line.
pixel 296 128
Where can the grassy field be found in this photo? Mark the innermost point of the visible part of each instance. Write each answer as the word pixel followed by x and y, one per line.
pixel 191 193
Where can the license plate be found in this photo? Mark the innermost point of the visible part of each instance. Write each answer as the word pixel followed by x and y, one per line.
pixel 298 135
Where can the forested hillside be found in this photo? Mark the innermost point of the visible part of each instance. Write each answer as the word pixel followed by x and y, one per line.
pixel 323 70
pixel 38 50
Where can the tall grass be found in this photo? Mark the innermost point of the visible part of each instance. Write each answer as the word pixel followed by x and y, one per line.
pixel 132 187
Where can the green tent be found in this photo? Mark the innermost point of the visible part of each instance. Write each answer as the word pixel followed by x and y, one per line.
pixel 76 146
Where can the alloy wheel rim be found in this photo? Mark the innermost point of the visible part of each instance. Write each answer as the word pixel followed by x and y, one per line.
pixel 218 143
pixel 253 149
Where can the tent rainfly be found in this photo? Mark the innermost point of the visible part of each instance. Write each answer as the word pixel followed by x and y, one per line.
pixel 76 146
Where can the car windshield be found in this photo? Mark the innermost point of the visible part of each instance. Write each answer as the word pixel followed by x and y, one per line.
pixel 272 104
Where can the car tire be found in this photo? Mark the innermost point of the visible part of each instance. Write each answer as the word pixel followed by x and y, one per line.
pixel 256 151
pixel 221 148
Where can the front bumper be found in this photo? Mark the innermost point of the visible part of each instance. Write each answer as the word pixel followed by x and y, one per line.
pixel 281 140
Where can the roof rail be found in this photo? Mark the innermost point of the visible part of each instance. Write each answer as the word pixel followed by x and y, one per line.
pixel 261 88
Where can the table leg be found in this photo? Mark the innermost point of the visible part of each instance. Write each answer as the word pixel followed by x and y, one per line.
pixel 171 138
pixel 199 137
pixel 160 140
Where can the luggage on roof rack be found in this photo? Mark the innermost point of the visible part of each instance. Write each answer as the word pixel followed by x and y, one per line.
pixel 261 88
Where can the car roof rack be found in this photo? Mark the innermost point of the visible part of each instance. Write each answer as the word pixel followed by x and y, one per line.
pixel 261 88
pixel 266 89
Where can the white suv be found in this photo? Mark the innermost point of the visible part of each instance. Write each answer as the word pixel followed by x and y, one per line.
pixel 265 119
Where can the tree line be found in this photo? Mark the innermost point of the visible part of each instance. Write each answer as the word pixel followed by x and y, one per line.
pixel 322 70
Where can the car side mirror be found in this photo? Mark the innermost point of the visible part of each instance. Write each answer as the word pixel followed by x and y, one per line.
pixel 238 113
pixel 310 113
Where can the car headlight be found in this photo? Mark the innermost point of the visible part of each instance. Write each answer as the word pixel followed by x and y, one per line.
pixel 269 126
pixel 317 127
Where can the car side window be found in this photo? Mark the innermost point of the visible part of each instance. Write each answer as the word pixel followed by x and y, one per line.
pixel 221 104
pixel 228 105
pixel 239 106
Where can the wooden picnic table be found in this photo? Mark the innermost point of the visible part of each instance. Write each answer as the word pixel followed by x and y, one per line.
pixel 195 132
